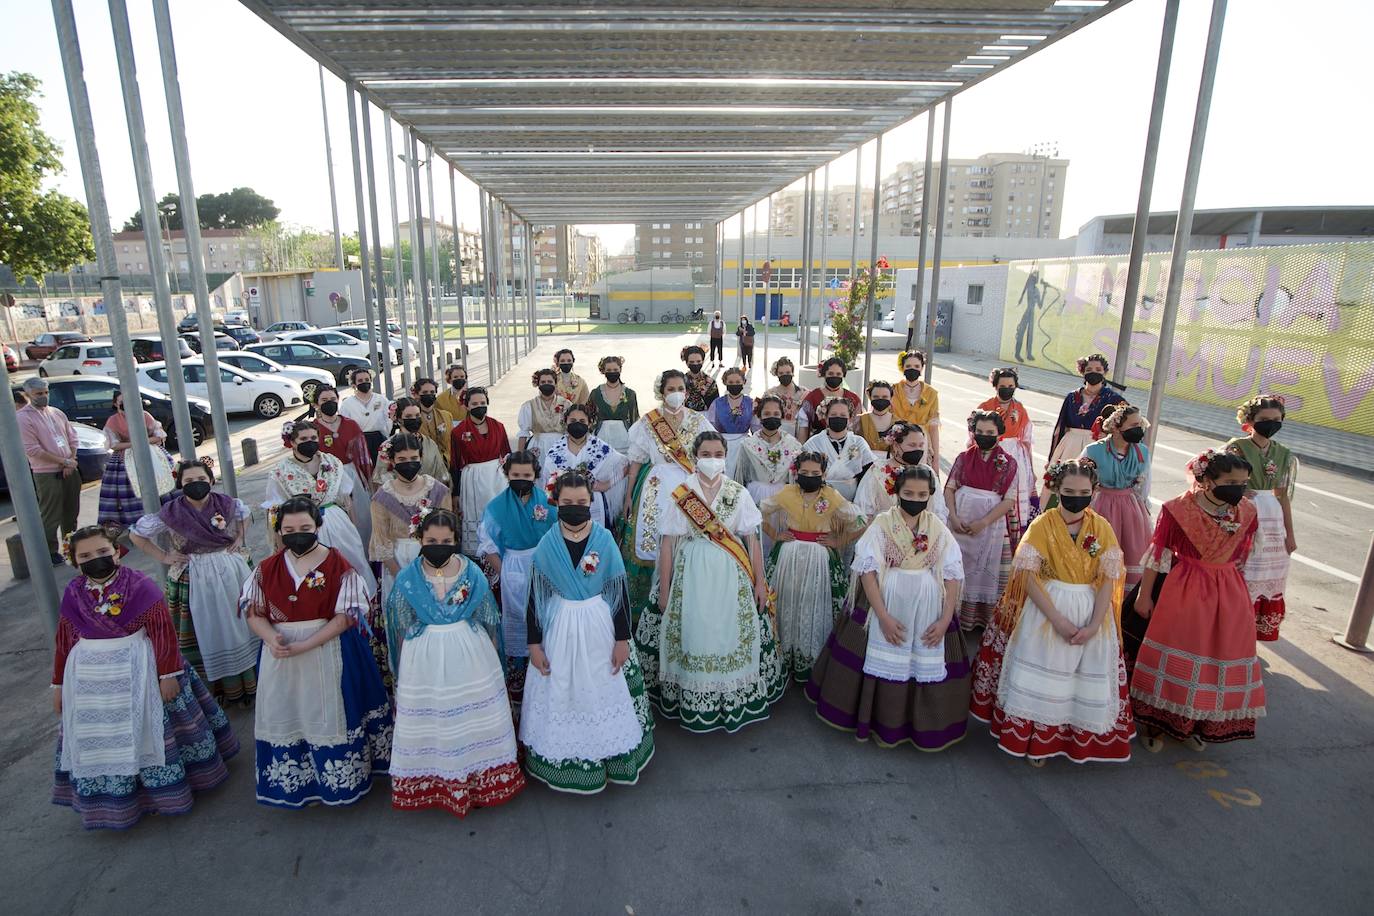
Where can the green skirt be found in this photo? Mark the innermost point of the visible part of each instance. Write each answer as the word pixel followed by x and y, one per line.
pixel 796 659
pixel 638 573
pixel 240 688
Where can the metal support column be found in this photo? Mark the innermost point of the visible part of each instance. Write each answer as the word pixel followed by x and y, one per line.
pixel 918 303
pixel 438 290
pixel 854 223
pixel 379 323
pixel 1256 225
pixel 767 287
pixel 532 320
pixel 458 266
pixel 872 302
pixel 825 267
pixel 484 214
pixel 1183 229
pixel 383 364
pixel 157 263
pixel 417 256
pixel 808 297
pixel 720 262
pixel 1121 361
pixel 190 221
pixel 939 231
pixel 739 271
pixel 329 168
pixel 1356 637
pixel 396 256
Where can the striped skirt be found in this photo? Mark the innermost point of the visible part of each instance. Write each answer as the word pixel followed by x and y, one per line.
pixel 238 688
pixel 119 505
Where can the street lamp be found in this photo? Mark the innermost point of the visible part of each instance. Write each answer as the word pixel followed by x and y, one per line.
pixel 165 211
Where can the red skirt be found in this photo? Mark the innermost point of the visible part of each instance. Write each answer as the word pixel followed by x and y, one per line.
pixel 1024 738
pixel 486 789
pixel 1197 672
pixel 1124 511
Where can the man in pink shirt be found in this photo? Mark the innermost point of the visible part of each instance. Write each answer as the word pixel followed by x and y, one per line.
pixel 50 443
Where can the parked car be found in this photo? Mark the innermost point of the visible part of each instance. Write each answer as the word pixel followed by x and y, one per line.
pixel 310 380
pixel 149 349
pixel 359 332
pixel 393 330
pixel 273 331
pixel 79 359
pixel 300 353
pixel 336 342
pixel 243 392
pixel 91 456
pixel 89 399
pixel 11 359
pixel 42 346
pixel 237 316
pixel 222 342
pixel 243 334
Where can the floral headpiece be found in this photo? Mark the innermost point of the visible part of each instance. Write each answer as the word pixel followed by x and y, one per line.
pixel 900 430
pixel 288 429
pixel 773 370
pixel 391 412
pixel 1055 472
pixel 69 554
pixel 601 363
pixel 903 356
pixel 802 457
pixel 1245 414
pixel 534 379
pixel 1198 466
pixel 1083 361
pixel 688 350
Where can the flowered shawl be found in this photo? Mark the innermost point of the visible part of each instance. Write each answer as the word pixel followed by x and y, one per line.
pixel 548 418
pixel 204 530
pixel 112 611
pixel 601 572
pixel 997 473
pixel 766 462
pixel 412 606
pixel 322 487
pixel 522 524
pixel 830 511
pixel 913 550
pixel 1047 551
pixel 411 513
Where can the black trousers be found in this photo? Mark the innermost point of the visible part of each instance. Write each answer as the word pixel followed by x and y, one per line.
pixel 717 349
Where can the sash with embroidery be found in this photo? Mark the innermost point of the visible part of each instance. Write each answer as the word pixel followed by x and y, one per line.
pixel 704 520
pixel 668 441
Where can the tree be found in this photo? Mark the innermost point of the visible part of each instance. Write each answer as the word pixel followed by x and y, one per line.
pixel 38 232
pixel 241 208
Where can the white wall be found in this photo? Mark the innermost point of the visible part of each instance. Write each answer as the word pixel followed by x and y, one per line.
pixel 977 326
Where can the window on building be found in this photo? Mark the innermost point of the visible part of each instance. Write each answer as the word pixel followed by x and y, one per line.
pixel 975 294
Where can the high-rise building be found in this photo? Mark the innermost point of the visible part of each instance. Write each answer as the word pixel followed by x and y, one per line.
pixel 679 244
pixel 789 216
pixel 1001 195
pixel 589 261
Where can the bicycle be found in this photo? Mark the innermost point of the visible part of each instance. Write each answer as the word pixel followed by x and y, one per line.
pixel 673 317
pixel 627 317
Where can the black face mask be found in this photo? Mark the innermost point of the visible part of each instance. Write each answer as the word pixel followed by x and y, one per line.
pixel 985 441
pixel 613 377
pixel 1134 435
pixel 809 483
pixel 437 555
pixel 197 489
pixel 784 380
pixel 1006 393
pixel 408 470
pixel 911 374
pixel 1230 493
pixel 428 400
pixel 734 389
pixel 329 408
pixel 364 387
pixel 300 542
pixel 307 450
pixel 573 516
pixel 99 568
pixel 478 412
pixel 913 456
pixel 694 367
pixel 833 381
pixel 1267 428
pixel 577 430
pixel 546 389
pixel 913 506
pixel 459 384
pixel 522 487
pixel 881 404
pixel 565 368
pixel 1093 378
pixel 771 423
pixel 837 424
pixel 412 424
pixel 1075 504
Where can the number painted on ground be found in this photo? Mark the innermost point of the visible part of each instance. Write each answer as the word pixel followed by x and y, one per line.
pixel 1200 769
pixel 1249 798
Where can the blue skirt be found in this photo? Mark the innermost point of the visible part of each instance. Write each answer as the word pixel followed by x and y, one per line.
pixel 119 505
pixel 301 774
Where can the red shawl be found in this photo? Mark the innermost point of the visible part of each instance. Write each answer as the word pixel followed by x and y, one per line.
pixel 348 445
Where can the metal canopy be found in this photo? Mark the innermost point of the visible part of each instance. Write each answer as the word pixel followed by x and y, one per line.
pixel 656 109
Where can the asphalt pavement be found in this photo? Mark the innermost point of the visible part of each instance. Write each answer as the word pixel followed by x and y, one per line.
pixel 787 816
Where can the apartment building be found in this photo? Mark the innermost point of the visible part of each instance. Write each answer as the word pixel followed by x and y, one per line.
pixel 789 210
pixel 689 244
pixel 222 250
pixel 997 195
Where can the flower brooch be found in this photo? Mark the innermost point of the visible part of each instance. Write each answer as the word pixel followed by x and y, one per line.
pixel 315 580
pixel 920 543
pixel 1092 546
pixel 111 606
pixel 540 512
pixel 218 522
pixel 461 594
pixel 590 562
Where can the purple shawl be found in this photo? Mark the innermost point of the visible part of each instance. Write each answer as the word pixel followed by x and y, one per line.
pixel 137 593
pixel 194 525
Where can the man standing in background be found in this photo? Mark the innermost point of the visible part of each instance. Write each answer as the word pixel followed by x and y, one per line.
pixel 50 443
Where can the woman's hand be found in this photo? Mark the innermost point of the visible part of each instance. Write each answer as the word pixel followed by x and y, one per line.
pixel 1085 633
pixel 494 564
pixel 935 633
pixel 1066 630
pixel 827 540
pixel 174 558
pixel 784 536
pixel 170 687
pixel 57 699
pixel 279 647
pixel 159 441
pixel 619 655
pixel 1144 604
pixel 894 631
pixel 601 486
pixel 1290 543
pixel 761 594
pixel 539 661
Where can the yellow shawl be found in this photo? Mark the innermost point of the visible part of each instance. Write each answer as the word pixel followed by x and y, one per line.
pixel 1047 551
pixel 913 550
pixel 818 517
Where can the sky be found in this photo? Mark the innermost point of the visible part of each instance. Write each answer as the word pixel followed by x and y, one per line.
pixel 1285 121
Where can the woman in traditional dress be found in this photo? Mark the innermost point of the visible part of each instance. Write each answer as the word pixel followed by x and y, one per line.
pixel 321 478
pixel 479 447
pixel 454 745
pixel 139 730
pixel 369 409
pixel 1050 677
pixel 120 506
pixel 833 371
pixel 795 421
pixel 406 420
pixel 874 424
pixel 322 723
pixel 450 400
pixel 659 461
pixel 585 720
pixel 577 448
pixel 1016 439
pixel 809 523
pixel 766 455
pixel 980 496
pixel 1123 474
pixel 344 439
pixel 847 453
pixel 511 528
pixel 701 387
pixel 541 417
pixel 436 424
pixel 199 536
pixel 1273 478
pixel 708 648
pixel 402 501
pixel 878 490
pixel 897 669
pixel 1080 410
pixel 1197 678
pixel 916 402
pixel 615 405
pixel 570 384
pixel 732 415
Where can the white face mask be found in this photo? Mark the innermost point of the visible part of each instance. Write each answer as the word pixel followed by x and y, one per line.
pixel 710 468
pixel 675 399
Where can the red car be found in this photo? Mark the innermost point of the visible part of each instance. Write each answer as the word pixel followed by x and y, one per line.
pixel 11 361
pixel 41 347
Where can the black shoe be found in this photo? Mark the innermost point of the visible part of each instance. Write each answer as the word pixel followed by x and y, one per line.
pixel 57 559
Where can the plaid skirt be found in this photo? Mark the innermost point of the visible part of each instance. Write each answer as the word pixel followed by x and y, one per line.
pixel 238 688
pixel 119 505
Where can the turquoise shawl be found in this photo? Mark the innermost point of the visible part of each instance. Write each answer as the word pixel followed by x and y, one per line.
pixel 411 607
pixel 520 529
pixel 554 575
